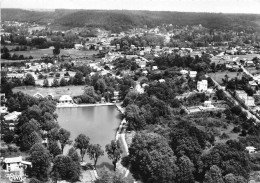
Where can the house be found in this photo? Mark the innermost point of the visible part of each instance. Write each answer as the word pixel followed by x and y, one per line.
pixel 253 84
pixel 66 99
pixel 241 94
pixel 184 72
pixel 249 63
pixel 16 164
pixel 50 96
pixel 116 95
pixel 38 95
pixel 138 88
pixel 202 85
pixel 250 149
pixel 161 80
pixel 249 101
pixel 78 46
pixel 12 116
pixel 193 74
pixel 154 67
pixel 145 72
pixel 3 110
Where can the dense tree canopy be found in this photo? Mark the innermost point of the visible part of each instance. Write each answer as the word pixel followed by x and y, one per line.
pixel 149 153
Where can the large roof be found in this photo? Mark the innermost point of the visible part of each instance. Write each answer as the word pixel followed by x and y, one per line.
pixel 65 97
pixel 13 160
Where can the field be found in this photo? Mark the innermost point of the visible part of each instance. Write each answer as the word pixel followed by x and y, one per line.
pixel 38 53
pixel 56 92
pixel 218 76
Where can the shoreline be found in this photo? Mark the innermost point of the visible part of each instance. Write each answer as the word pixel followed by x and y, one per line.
pixel 84 105
pixel 120 134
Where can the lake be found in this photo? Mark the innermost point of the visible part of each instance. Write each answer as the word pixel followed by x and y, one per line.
pixel 99 123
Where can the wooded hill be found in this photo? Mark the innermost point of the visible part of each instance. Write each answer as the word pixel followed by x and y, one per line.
pixel 118 20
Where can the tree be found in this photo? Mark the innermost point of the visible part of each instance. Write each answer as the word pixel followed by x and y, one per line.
pixel 41 162
pixel 45 83
pixel 185 172
pixel 55 83
pixel 148 153
pixel 213 175
pixel 29 134
pixel 64 138
pixel 74 155
pixel 94 152
pixel 63 82
pixel 54 148
pixel 56 50
pixel 29 80
pixel 114 152
pixel 78 78
pixel 82 143
pixel 64 168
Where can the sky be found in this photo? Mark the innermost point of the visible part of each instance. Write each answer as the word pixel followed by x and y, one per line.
pixel 216 6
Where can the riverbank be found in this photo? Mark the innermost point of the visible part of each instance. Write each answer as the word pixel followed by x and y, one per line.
pixel 120 135
pixel 83 105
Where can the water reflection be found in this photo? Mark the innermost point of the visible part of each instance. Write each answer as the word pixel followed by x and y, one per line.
pixel 99 123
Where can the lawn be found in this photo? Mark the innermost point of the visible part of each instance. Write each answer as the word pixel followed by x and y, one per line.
pixel 56 92
pixel 252 70
pixel 218 76
pixel 38 53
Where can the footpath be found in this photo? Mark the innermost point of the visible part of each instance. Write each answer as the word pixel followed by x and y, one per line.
pixel 120 135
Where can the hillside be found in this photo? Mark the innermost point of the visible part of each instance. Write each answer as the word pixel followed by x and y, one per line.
pixel 118 20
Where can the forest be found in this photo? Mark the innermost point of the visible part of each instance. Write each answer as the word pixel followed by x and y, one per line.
pixel 118 20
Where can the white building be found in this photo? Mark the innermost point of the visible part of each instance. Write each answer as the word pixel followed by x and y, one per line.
pixel 138 88
pixel 78 46
pixel 250 149
pixel 12 116
pixel 193 74
pixel 184 72
pixel 66 99
pixel 3 110
pixel 202 85
pixel 249 101
pixel 161 80
pixel 154 67
pixel 16 164
pixel 241 94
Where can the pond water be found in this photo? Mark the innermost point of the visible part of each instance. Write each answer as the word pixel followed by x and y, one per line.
pixel 99 123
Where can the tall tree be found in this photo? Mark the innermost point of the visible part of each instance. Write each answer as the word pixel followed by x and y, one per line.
pixel 94 152
pixel 151 158
pixel 45 83
pixel 29 80
pixel 114 152
pixel 41 162
pixel 54 148
pixel 64 168
pixel 185 172
pixel 64 138
pixel 213 175
pixel 56 50
pixel 82 143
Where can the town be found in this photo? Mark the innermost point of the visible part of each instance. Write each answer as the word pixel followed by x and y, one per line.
pixel 184 100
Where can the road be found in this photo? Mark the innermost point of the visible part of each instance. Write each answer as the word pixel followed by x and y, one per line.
pixel 249 115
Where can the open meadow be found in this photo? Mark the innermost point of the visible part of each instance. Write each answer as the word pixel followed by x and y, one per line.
pixel 56 92
pixel 218 76
pixel 38 53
